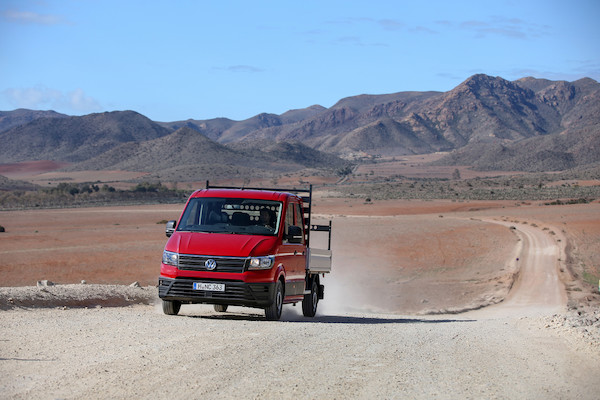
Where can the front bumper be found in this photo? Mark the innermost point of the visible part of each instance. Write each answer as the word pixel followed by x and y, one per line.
pixel 259 295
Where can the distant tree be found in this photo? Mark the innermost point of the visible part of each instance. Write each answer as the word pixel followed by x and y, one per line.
pixel 456 175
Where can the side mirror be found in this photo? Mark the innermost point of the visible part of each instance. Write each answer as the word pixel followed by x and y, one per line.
pixel 294 234
pixel 170 228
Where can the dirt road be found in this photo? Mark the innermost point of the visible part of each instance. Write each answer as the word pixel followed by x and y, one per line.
pixel 510 350
pixel 537 289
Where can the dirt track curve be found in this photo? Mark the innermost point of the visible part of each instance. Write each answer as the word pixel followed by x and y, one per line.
pixel 509 350
pixel 537 289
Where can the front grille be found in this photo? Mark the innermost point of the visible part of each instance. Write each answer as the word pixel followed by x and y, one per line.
pixel 190 262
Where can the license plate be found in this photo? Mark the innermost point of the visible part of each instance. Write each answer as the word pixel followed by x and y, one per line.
pixel 209 287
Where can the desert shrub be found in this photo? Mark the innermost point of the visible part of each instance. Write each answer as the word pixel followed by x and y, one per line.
pixel 150 187
pixel 343 171
pixel 85 194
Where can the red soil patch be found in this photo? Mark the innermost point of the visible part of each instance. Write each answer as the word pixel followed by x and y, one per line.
pixel 100 245
pixel 114 178
pixel 28 168
pixel 337 206
pixel 46 172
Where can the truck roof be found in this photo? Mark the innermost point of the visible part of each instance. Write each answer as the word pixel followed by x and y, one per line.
pixel 244 194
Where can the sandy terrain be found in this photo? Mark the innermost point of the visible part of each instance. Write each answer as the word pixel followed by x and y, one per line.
pixel 412 166
pixel 45 173
pixel 389 326
pixel 28 169
pixel 100 245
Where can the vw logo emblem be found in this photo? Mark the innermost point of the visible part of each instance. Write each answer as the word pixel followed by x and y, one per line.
pixel 210 264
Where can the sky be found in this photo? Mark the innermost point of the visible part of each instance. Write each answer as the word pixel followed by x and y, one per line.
pixel 183 59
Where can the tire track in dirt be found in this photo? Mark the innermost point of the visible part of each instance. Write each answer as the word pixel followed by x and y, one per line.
pixel 537 289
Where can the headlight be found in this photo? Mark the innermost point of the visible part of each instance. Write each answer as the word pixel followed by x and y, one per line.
pixel 170 258
pixel 261 262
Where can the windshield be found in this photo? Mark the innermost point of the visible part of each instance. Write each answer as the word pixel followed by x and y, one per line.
pixel 234 216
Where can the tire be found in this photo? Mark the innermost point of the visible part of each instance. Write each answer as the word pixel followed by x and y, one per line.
pixel 273 312
pixel 171 307
pixel 311 300
pixel 220 307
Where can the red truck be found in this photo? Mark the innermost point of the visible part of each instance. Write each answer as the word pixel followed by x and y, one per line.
pixel 244 247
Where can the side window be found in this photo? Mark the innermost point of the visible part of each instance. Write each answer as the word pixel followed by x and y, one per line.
pixel 289 220
pixel 298 220
pixel 293 216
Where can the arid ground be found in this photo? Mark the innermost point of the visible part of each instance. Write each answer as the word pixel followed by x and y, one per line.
pixel 389 256
pixel 395 321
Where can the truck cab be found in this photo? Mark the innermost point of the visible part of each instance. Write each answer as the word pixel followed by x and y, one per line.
pixel 244 247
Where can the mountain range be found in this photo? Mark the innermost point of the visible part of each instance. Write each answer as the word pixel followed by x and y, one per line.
pixel 486 122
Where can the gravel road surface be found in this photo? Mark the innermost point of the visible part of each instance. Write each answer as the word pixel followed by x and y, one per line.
pixel 522 348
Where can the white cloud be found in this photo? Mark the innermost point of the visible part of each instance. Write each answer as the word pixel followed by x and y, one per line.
pixel 27 17
pixel 514 28
pixel 424 29
pixel 41 97
pixel 31 97
pixel 391 24
pixel 79 101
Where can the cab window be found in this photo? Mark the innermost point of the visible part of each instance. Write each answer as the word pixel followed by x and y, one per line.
pixel 293 216
pixel 298 220
pixel 289 221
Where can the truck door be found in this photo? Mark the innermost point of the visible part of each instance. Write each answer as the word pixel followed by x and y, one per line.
pixel 295 253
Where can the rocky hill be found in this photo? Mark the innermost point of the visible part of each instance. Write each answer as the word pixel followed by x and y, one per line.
pixel 11 119
pixel 488 122
pixel 557 128
pixel 182 149
pixel 75 139
pixel 187 154
pixel 557 152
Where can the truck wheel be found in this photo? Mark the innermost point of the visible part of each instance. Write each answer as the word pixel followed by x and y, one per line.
pixel 310 301
pixel 171 307
pixel 273 312
pixel 220 307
